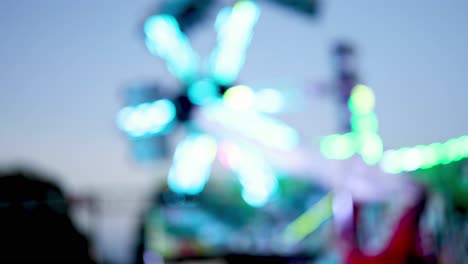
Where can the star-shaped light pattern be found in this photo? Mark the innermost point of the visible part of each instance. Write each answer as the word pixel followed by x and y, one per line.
pixel 238 108
pixel 241 109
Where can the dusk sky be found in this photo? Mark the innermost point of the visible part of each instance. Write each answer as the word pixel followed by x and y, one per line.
pixel 64 65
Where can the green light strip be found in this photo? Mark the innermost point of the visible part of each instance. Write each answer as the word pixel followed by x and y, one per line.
pixel 309 221
pixel 425 156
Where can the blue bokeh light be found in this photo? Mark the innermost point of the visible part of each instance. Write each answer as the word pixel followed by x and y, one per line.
pixel 203 92
pixel 235 28
pixel 147 119
pixel 165 39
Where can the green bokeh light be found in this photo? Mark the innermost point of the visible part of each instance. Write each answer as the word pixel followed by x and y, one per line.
pixel 391 162
pixel 308 222
pixel 371 148
pixel 365 140
pixel 364 123
pixel 426 156
pixel 454 150
pixel 430 156
pixel 338 146
pixel 412 159
pixel 362 100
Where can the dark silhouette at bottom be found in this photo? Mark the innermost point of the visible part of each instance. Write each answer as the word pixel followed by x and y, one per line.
pixel 35 226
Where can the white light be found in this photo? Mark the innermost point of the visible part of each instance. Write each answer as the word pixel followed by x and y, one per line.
pixel 192 164
pixel 412 159
pixel 265 130
pixel 257 177
pixel 239 97
pixel 254 199
pixel 390 162
pixel 222 17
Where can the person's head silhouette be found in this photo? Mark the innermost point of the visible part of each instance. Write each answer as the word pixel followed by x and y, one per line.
pixel 34 222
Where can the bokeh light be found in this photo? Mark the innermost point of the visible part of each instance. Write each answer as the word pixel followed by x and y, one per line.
pixel 203 92
pixel 239 97
pixel 338 146
pixel 235 29
pixel 192 164
pixel 165 39
pixel 147 119
pixel 362 100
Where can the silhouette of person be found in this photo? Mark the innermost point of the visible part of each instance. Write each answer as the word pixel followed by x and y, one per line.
pixel 35 225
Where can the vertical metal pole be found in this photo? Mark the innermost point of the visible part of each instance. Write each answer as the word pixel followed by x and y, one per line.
pixel 346 79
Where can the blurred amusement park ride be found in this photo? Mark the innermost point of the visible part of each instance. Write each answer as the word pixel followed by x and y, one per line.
pixel 284 189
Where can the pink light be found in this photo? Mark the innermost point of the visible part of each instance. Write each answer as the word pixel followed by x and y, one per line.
pixel 228 154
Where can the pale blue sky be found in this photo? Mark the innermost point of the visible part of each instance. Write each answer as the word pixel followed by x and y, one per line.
pixel 63 65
